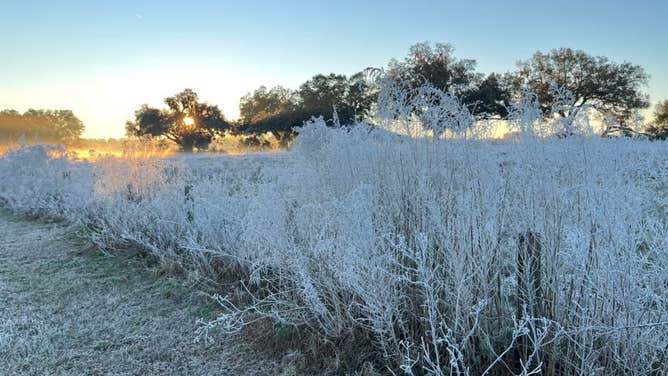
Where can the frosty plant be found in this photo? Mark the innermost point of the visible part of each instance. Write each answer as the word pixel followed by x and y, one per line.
pixel 563 105
pixel 440 112
pixel 394 106
pixel 525 115
pixel 433 109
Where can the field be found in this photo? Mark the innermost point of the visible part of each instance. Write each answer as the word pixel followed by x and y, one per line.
pixel 414 255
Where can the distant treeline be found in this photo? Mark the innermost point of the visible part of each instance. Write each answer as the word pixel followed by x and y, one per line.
pixel 593 83
pixel 60 126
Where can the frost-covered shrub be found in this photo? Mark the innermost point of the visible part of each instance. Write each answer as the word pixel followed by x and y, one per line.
pixel 41 180
pixel 424 240
pixel 439 111
pixel 425 110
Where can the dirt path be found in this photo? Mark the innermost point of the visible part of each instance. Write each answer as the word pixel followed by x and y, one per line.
pixel 66 308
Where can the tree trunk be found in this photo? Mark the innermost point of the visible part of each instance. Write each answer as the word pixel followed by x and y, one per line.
pixel 187 146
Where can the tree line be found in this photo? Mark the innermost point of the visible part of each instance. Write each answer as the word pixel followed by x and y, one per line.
pixel 595 82
pixel 46 126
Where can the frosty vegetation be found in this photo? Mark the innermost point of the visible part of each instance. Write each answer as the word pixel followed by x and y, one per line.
pixel 431 248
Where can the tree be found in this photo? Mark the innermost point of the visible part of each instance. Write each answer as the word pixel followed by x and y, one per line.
pixel 281 125
pixel 437 66
pixel 659 129
pixel 186 121
pixel 263 103
pixel 361 93
pixel 279 110
pixel 595 82
pixel 272 110
pixel 351 97
pixel 490 97
pixel 323 91
pixel 46 125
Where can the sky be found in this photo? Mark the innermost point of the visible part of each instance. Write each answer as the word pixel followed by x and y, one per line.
pixel 103 59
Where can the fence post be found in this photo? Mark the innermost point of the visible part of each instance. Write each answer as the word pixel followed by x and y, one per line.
pixel 190 202
pixel 529 284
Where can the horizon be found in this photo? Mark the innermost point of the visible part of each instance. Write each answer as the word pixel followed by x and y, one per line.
pixel 105 60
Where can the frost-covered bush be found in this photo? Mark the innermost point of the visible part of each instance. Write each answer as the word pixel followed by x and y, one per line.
pixel 427 244
pixel 457 256
pixel 425 110
pixel 42 180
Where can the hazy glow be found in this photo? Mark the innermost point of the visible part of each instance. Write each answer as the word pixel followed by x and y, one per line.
pixel 105 103
pixel 92 155
pixel 188 121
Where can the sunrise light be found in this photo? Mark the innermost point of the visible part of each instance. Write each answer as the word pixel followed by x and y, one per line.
pixel 334 187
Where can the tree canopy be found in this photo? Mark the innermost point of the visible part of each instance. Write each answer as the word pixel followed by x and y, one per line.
pixel 594 81
pixel 351 97
pixel 659 129
pixel 438 66
pixel 560 76
pixel 661 114
pixel 264 103
pixel 186 121
pixel 279 110
pixel 490 96
pixel 60 126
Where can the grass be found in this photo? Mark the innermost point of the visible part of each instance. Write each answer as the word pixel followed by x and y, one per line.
pixel 71 309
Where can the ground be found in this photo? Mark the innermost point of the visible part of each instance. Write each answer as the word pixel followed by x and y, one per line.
pixel 68 308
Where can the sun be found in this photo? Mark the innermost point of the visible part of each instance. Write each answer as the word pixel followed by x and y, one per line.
pixel 188 121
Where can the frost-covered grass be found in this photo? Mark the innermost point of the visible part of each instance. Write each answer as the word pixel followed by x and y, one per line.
pixel 68 309
pixel 461 256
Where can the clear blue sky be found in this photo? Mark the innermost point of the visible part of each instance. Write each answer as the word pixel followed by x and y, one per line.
pixel 105 58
